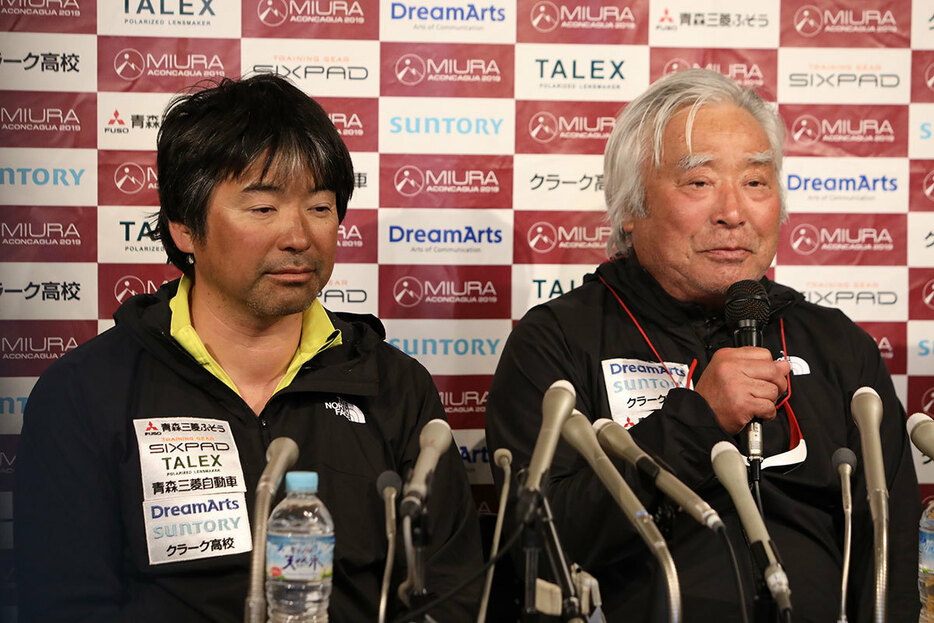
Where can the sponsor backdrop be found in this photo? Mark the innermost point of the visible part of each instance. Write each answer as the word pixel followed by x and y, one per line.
pixel 477 131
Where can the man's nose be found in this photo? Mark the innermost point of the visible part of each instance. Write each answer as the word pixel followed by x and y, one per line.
pixel 731 206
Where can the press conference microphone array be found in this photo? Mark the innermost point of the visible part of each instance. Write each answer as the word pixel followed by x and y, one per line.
pixel 866 408
pixel 730 469
pixel 579 433
pixel 844 462
pixel 503 459
pixel 921 430
pixel 433 441
pixel 747 312
pixel 616 441
pixel 280 456
pixel 557 403
pixel 388 485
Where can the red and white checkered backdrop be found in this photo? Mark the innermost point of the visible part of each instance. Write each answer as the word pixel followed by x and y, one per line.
pixel 477 131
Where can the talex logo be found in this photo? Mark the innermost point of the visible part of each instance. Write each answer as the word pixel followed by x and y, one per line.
pixel 550 288
pixel 134 231
pixel 40 176
pixel 167 7
pixel 595 69
pixel 467 12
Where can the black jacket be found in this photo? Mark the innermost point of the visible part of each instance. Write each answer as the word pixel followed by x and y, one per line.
pixel 569 337
pixel 80 545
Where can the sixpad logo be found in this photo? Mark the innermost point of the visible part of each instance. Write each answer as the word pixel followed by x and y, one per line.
pixel 410 181
pixel 547 17
pixel 806 239
pixel 545 127
pixel 809 21
pixel 409 291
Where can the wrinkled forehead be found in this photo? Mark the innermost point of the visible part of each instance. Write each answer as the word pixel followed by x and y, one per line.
pixel 677 136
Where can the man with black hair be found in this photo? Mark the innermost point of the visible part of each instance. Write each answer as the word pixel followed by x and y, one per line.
pixel 141 449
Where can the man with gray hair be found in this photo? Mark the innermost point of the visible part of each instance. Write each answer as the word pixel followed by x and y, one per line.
pixel 695 202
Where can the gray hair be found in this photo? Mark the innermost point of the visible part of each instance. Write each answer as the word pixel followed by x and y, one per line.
pixel 642 123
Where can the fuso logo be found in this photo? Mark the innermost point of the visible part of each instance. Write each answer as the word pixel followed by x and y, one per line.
pixel 410 69
pixel 128 286
pixel 407 291
pixel 129 64
pixel 676 65
pixel 927 294
pixel 543 127
pixel 545 16
pixel 542 237
pixel 272 12
pixel 928 186
pixel 805 239
pixel 409 181
pixel 808 21
pixel 130 178
pixel 806 129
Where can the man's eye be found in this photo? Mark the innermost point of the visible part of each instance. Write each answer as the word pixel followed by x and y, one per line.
pixel 263 209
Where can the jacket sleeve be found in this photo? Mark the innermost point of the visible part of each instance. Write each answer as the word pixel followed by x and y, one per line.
pixel 904 505
pixel 67 525
pixel 454 552
pixel 593 530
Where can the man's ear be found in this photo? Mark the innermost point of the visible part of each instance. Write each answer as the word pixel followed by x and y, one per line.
pixel 628 226
pixel 182 237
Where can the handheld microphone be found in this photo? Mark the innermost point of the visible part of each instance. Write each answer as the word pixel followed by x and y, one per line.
pixel 557 403
pixel 844 462
pixel 921 431
pixel 747 311
pixel 866 408
pixel 433 441
pixel 388 484
pixel 730 469
pixel 280 456
pixel 617 441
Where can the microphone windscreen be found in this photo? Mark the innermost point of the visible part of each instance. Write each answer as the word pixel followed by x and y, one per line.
pixel 388 479
pixel 843 456
pixel 746 300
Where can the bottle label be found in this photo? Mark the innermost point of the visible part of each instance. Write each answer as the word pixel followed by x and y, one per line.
pixel 300 557
pixel 926 551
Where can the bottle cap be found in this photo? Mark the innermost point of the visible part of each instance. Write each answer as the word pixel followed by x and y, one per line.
pixel 301 481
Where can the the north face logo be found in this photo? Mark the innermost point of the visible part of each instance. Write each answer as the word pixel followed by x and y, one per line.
pixel 343 408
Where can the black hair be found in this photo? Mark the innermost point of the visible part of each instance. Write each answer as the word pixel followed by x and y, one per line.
pixel 219 130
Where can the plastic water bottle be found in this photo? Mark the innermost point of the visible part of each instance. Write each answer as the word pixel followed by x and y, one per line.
pixel 926 564
pixel 299 554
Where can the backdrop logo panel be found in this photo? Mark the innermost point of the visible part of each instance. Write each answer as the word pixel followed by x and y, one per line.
pixel 448 126
pixel 54 16
pixel 922 185
pixel 366 179
pixel 456 21
pixel 14 392
pixel 128 177
pixel 920 346
pixel 921 282
pixel 533 284
pixel 845 130
pixel 890 337
pixel 554 182
pixel 164 65
pixel 356 120
pixel 123 235
pixel 858 76
pixel 48 234
pixel 47 290
pixel 118 282
pixel 325 68
pixel 27 347
pixel 834 239
pixel 756 69
pixel 698 23
pixel 48 176
pixel 550 21
pixel 846 184
pixel 447 70
pixel 922 76
pixel 170 18
pixel 451 346
pixel 564 127
pixel 876 293
pixel 425 181
pixel 921 239
pixel 560 237
pixel 352 288
pixel 921 140
pixel 464 398
pixel 455 236
pixel 443 292
pixel 29 64
pixel 357 237
pixel 129 121
pixel 878 23
pixel 47 119
pixel 597 73
pixel 311 19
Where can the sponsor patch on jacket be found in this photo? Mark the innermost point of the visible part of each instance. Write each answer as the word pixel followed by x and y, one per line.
pixel 636 388
pixel 799 367
pixel 193 489
pixel 346 409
